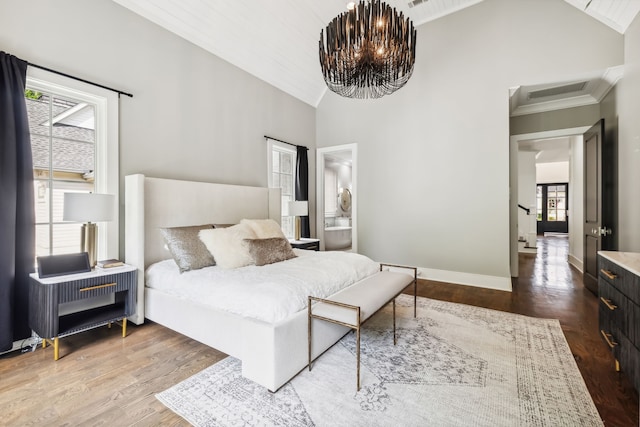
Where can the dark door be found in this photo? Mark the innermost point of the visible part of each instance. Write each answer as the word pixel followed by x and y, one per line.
pixel 552 208
pixel 599 208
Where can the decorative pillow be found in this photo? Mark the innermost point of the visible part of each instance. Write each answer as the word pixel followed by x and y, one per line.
pixel 268 251
pixel 226 246
pixel 186 248
pixel 264 228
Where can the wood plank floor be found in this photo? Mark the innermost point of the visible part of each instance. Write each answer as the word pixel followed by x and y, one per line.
pixel 102 379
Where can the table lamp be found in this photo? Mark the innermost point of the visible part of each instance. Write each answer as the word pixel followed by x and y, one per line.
pixel 298 208
pixel 88 208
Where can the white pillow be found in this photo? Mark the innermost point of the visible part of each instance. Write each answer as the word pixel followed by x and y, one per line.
pixel 264 228
pixel 226 245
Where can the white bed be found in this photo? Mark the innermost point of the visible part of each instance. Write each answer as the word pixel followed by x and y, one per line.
pixel 272 349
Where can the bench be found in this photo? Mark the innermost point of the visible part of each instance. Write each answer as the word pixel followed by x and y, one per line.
pixel 354 305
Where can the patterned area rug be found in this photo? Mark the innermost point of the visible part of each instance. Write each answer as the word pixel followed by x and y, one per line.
pixel 455 365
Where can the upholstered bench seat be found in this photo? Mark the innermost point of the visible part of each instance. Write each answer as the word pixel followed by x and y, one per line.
pixel 354 305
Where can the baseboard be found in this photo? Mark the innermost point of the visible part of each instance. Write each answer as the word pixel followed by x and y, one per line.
pixel 27 342
pixel 576 263
pixel 467 279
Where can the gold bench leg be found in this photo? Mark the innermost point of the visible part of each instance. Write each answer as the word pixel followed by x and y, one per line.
pixel 394 322
pixel 358 356
pixel 124 327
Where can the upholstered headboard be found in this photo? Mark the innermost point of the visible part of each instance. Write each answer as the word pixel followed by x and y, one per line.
pixel 153 203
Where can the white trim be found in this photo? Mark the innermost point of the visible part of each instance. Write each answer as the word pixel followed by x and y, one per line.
pixel 32 342
pixel 467 279
pixel 576 263
pixel 320 152
pixel 106 143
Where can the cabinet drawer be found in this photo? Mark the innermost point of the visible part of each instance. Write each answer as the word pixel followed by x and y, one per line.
pixel 612 305
pixel 93 287
pixel 620 278
pixel 629 357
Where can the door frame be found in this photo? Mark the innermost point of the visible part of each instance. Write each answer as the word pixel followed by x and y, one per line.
pixel 513 183
pixel 320 163
pixel 545 223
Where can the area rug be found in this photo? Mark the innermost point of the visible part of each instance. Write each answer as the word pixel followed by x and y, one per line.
pixel 454 365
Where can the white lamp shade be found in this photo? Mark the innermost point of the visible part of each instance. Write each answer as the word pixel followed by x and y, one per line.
pixel 298 208
pixel 88 207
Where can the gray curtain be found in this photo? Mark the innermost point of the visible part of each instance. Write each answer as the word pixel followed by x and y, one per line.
pixel 302 186
pixel 17 217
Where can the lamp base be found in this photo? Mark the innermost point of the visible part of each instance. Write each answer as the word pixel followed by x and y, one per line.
pixel 88 234
pixel 298 231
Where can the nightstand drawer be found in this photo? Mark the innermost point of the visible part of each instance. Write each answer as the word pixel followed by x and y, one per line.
pixel 93 287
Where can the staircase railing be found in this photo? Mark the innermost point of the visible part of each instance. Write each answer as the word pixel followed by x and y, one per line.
pixel 527 210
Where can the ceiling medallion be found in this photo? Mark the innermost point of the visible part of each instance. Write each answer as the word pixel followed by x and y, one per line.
pixel 369 51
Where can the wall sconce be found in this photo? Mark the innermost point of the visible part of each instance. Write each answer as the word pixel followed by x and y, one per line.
pixel 298 208
pixel 88 208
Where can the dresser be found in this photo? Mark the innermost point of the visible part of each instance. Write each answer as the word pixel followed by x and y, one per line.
pixel 619 309
pixel 48 297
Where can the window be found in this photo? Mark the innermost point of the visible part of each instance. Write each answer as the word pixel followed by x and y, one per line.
pixel 74 140
pixel 63 147
pixel 282 161
pixel 551 202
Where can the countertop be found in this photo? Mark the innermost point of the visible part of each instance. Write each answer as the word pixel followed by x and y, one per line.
pixel 627 260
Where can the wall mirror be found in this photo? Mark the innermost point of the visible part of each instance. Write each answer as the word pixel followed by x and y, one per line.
pixel 345 199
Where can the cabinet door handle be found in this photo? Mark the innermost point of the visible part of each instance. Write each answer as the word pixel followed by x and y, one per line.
pixel 609 339
pixel 609 274
pixel 611 306
pixel 91 288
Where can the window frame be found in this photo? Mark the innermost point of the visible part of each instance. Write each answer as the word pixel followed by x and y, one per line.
pixel 106 178
pixel 272 146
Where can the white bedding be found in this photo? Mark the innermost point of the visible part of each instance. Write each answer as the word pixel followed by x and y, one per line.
pixel 269 293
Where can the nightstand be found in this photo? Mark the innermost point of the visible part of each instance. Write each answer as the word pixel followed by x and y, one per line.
pixel 46 295
pixel 309 244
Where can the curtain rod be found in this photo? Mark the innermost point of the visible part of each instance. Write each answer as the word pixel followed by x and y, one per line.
pixel 285 142
pixel 119 92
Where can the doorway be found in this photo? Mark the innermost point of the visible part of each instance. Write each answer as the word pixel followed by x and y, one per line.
pixel 537 142
pixel 552 208
pixel 337 197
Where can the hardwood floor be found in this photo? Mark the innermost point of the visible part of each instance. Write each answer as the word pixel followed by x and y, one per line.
pixel 549 288
pixel 102 379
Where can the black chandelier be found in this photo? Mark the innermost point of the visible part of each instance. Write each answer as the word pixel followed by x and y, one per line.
pixel 369 51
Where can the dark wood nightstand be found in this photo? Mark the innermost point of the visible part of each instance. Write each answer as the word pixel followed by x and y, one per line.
pixel 47 294
pixel 309 244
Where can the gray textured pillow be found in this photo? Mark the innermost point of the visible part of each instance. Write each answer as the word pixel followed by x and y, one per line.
pixel 186 248
pixel 269 251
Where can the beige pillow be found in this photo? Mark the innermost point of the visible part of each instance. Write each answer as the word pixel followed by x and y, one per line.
pixel 226 245
pixel 264 228
pixel 186 248
pixel 268 251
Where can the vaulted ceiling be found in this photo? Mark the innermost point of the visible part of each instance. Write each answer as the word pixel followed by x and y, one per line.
pixel 277 40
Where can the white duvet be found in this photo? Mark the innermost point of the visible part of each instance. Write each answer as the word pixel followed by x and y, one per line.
pixel 270 293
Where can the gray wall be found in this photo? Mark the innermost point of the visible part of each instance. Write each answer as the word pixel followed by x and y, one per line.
pixel 628 109
pixel 434 156
pixel 193 116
